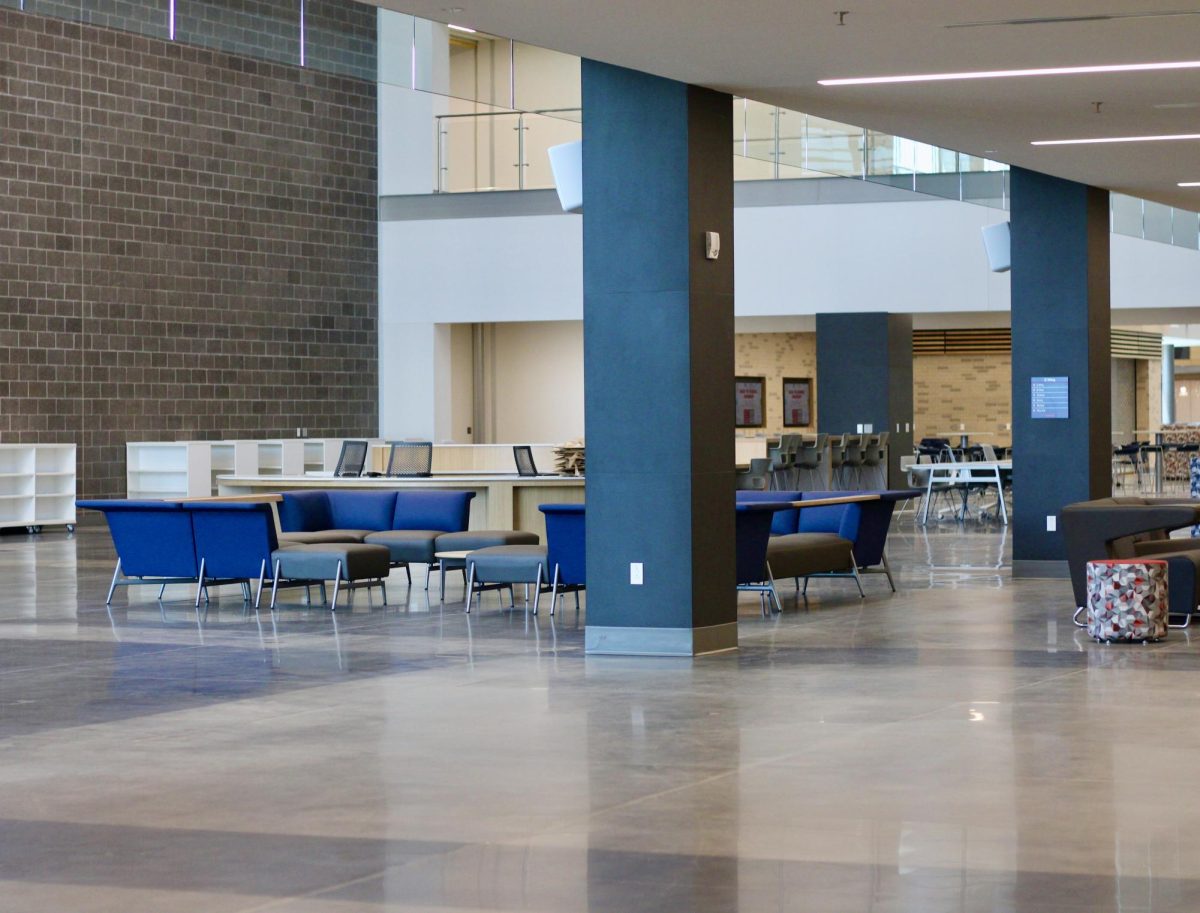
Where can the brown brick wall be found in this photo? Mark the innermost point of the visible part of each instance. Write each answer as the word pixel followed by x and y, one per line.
pixel 187 245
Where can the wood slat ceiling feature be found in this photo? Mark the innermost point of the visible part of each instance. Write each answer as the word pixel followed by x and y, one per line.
pixel 998 341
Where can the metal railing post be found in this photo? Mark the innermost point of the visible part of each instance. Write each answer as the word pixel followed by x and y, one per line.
pixel 521 151
pixel 441 155
pixel 777 116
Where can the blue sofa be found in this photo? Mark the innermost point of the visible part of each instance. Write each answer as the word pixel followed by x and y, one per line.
pixel 407 523
pixel 839 540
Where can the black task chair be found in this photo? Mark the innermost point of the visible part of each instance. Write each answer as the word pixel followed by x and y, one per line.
pixel 352 459
pixel 523 454
pixel 410 459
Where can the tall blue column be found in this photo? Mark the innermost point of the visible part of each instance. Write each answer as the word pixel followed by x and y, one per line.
pixel 865 377
pixel 1061 325
pixel 658 364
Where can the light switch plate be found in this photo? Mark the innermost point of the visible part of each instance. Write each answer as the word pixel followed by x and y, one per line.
pixel 635 573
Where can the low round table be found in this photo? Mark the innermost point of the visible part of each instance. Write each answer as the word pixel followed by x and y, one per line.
pixel 455 561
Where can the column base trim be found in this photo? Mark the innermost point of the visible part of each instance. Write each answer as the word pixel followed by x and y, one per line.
pixel 659 641
pixel 1028 568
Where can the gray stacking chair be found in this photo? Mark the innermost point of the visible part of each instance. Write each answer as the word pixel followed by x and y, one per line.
pixel 810 463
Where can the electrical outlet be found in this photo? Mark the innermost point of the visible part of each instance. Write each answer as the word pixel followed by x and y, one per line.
pixel 635 573
pixel 1051 523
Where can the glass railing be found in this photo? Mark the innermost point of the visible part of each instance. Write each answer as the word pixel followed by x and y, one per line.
pixel 501 150
pixel 1154 221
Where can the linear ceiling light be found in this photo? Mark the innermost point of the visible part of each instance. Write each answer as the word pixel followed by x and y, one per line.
pixel 1189 184
pixel 461 28
pixel 1006 74
pixel 1115 139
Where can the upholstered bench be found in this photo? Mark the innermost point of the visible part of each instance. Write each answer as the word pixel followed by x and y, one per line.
pixel 472 539
pixel 504 565
pixel 352 563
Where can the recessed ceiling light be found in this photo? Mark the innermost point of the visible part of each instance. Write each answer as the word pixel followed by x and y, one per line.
pixel 1115 139
pixel 462 28
pixel 1007 74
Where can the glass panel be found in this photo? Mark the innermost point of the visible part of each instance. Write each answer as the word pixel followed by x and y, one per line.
pixel 144 17
pixel 1126 215
pixel 266 29
pixel 542 132
pixel 395 54
pixel 833 148
pixel 478 151
pixel 987 188
pixel 544 79
pixel 758 140
pixel 10 4
pixel 1186 229
pixel 339 37
pixel 1156 222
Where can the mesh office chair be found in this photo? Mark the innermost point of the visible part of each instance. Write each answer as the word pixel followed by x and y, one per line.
pixel 410 459
pixel 351 460
pixel 523 454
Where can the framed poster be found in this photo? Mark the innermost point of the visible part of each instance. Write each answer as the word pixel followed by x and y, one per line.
pixel 797 402
pixel 750 392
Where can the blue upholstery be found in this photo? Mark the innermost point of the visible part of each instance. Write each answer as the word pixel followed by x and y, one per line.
pixel 565 540
pixel 753 532
pixel 448 511
pixel 784 521
pixel 839 519
pixel 361 509
pixel 304 512
pixel 152 538
pixel 234 538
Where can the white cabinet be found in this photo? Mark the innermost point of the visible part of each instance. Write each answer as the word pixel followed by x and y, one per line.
pixel 189 469
pixel 181 469
pixel 37 485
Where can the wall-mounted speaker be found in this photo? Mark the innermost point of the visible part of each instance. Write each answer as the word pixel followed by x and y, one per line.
pixel 997 243
pixel 566 161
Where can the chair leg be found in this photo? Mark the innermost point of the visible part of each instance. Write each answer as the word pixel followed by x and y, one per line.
pixel 337 582
pixel 274 584
pixel 200 583
pixel 887 569
pixel 262 576
pixel 554 590
pixel 408 573
pixel 1075 618
pixel 470 586
pixel 383 589
pixel 162 589
pixel 857 576
pixel 113 586
pixel 804 593
pixel 537 591
pixel 774 594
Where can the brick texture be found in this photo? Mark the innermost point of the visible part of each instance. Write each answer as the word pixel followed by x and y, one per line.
pixel 187 245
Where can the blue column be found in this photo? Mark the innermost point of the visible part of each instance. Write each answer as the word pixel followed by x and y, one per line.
pixel 658 364
pixel 865 377
pixel 1061 325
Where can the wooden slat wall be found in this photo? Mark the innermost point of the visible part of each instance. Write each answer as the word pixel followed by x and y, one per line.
pixel 998 341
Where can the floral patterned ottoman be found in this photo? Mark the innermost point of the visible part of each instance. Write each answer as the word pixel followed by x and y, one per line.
pixel 1127 600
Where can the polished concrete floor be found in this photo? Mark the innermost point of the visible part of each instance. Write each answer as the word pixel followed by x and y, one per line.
pixel 959 746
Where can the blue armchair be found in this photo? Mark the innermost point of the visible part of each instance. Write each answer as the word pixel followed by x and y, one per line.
pixel 154 542
pixel 565 551
pixel 753 534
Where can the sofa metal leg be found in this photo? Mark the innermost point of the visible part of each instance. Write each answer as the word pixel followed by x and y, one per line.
pixel 112 587
pixel 887 569
pixel 408 573
pixel 774 594
pixel 162 589
pixel 857 576
pixel 262 576
pixel 383 590
pixel 1075 618
pixel 554 590
pixel 200 584
pixel 537 591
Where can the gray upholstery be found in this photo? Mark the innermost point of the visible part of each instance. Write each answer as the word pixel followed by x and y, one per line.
pixel 470 539
pixel 408 544
pixel 508 563
pixel 801 554
pixel 322 536
pixel 319 562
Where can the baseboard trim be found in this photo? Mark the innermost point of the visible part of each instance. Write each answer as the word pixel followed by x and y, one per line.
pixel 612 641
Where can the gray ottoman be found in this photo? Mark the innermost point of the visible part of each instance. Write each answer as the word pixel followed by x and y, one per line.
pixel 504 565
pixel 408 545
pixel 471 539
pixel 351 563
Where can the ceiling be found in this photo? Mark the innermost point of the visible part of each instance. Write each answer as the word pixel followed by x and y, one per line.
pixel 775 51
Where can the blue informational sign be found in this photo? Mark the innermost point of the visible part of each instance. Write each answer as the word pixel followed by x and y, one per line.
pixel 1048 397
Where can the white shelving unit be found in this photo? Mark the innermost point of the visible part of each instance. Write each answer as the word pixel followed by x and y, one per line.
pixel 37 485
pixel 189 469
